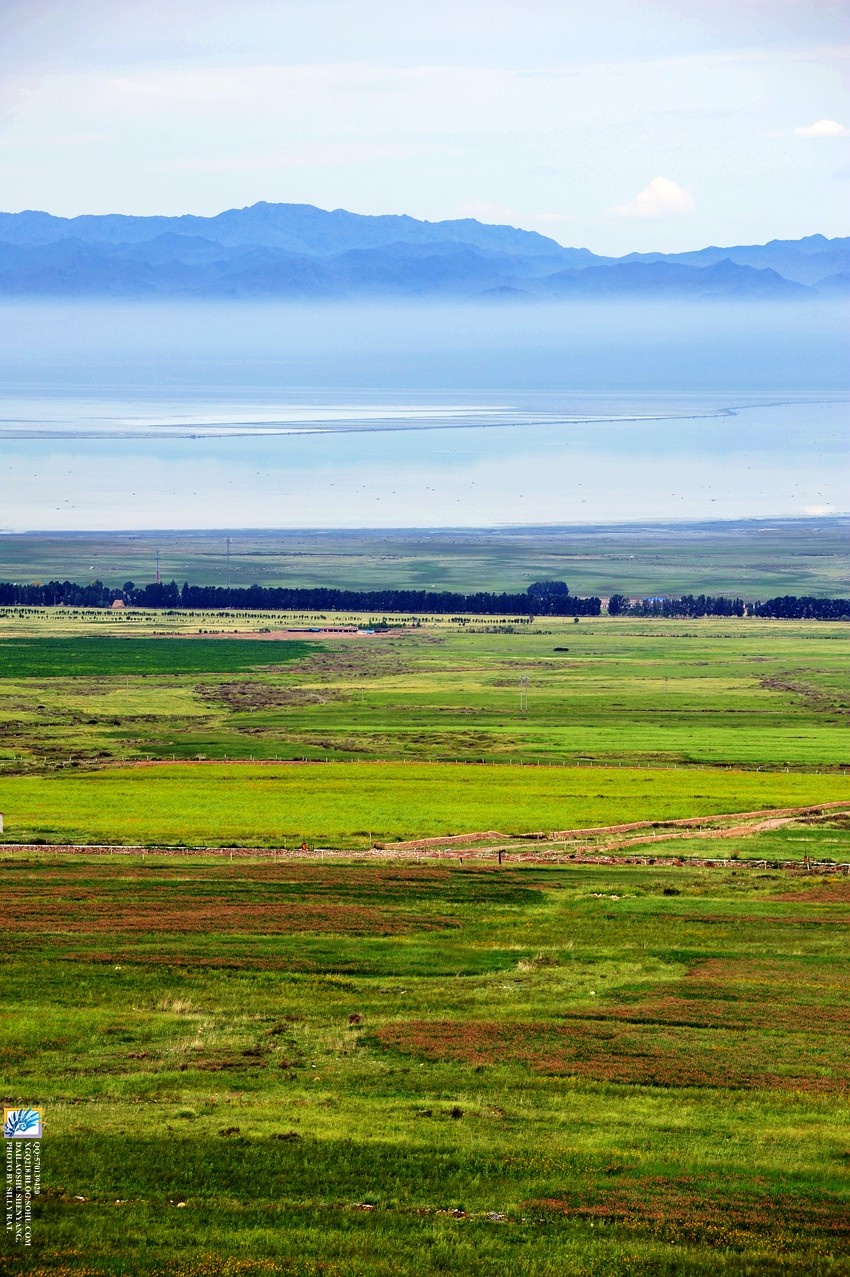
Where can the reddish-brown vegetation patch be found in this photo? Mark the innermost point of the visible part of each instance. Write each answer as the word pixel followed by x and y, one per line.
pixel 600 1051
pixel 786 979
pixel 259 899
pixel 835 892
pixel 323 878
pixel 705 1030
pixel 688 1210
pixel 57 909
pixel 724 1013
pixel 741 994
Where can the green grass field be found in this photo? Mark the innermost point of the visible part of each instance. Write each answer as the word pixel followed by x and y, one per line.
pixel 104 656
pixel 340 805
pixel 365 1067
pixel 299 1068
pixel 738 693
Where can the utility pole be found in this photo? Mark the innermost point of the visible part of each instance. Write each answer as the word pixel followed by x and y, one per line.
pixel 227 576
pixel 523 694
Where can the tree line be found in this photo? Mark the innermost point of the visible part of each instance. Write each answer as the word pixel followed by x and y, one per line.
pixel 791 608
pixel 684 605
pixel 542 598
pixel 785 607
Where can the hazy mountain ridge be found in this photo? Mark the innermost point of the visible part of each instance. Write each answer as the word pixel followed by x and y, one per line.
pixel 805 261
pixel 294 250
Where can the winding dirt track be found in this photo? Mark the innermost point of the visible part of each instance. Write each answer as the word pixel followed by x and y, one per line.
pixel 728 825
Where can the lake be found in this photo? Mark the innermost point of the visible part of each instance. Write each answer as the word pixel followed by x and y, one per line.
pixel 120 416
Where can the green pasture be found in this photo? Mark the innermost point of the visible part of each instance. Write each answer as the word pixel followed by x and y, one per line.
pixel 308 1068
pixel 717 692
pixel 261 1066
pixel 821 840
pixel 106 656
pixel 346 804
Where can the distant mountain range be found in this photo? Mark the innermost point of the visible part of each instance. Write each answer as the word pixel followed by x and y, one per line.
pixel 298 251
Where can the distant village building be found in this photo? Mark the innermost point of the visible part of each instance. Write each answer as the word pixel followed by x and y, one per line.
pixel 117 604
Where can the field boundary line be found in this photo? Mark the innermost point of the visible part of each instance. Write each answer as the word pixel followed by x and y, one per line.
pixel 85 766
pixel 485 858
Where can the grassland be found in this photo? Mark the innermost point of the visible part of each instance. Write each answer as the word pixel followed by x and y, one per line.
pixel 364 1066
pixel 301 1068
pixel 753 558
pixel 105 655
pixel 740 693
pixel 349 805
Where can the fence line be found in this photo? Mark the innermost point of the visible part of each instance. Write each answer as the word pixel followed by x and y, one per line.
pixel 90 765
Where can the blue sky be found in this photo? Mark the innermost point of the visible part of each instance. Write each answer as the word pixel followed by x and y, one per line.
pixel 620 125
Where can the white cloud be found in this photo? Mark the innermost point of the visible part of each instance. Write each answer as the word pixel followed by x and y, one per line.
pixel 818 509
pixel 660 199
pixel 823 128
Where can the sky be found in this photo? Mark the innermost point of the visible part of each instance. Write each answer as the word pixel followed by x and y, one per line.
pixel 621 125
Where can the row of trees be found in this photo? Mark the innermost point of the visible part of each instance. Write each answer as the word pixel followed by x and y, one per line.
pixel 543 598
pixel 682 606
pixel 790 608
pixel 786 607
pixel 58 594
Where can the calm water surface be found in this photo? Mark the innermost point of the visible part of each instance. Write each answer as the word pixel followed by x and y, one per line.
pixel 117 418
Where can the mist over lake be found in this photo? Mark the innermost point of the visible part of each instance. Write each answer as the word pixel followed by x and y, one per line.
pixel 272 415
